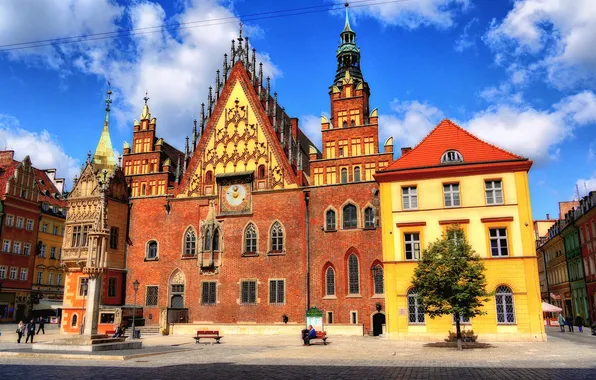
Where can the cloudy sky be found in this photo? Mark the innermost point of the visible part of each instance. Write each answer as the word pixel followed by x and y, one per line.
pixel 520 74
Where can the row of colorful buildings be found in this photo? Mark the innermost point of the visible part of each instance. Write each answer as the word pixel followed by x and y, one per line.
pixel 252 224
pixel 566 254
pixel 32 216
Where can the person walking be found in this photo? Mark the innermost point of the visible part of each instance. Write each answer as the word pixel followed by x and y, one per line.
pixel 562 322
pixel 20 331
pixel 569 322
pixel 30 330
pixel 41 326
pixel 579 322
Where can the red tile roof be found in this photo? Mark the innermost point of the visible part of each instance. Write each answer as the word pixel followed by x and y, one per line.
pixel 6 170
pixel 449 136
pixel 47 189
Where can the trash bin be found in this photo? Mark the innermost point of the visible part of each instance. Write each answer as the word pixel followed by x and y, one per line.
pixel 136 334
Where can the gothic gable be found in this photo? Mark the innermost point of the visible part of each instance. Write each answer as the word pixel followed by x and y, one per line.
pixel 87 184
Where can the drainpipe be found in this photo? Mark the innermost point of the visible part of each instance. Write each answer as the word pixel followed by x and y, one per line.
pixel 126 252
pixel 307 201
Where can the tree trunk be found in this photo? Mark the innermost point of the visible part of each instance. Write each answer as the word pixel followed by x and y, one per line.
pixel 458 331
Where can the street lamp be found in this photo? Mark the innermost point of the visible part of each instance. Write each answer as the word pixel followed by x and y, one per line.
pixel 134 307
pixel 84 286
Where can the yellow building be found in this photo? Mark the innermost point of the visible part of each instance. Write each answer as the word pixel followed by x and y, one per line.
pixel 452 177
pixel 48 273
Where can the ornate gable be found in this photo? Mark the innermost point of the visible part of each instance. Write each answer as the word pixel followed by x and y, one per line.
pixel 238 138
pixel 87 184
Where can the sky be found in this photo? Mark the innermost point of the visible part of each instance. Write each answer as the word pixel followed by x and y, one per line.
pixel 520 74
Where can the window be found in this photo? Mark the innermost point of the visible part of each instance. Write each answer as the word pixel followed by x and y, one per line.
pixel 261 172
pixel 76 236
pixel 330 220
pixel 409 198
pixel 112 281
pixel 369 145
pixel 350 217
pixel 250 239
pixel 50 278
pixel 462 320
pixel 248 292
pixel 13 273
pixel 151 296
pixel 20 222
pixel 498 242
pixel 24 274
pixel 42 250
pixel 451 195
pixel 357 174
pixel 451 156
pixel 209 177
pixel 415 309
pixel 353 317
pixel 208 243
pixel 6 246
pixel 59 279
pixel 74 320
pixel 3 272
pixel 190 243
pixel 216 240
pixel 276 291
pixel 344 175
pixel 353 275
pixel 494 192
pixel 208 293
pixel 9 220
pixel 277 237
pixel 84 235
pixel 39 277
pixel 106 318
pixel 378 280
pixel 55 230
pixel 27 249
pixel 114 231
pixel 329 317
pixel 369 217
pixel 53 253
pixel 44 227
pixel 83 282
pixel 356 147
pixel 412 246
pixel 152 250
pixel 330 282
pixel 30 224
pixel 16 247
pixel 505 308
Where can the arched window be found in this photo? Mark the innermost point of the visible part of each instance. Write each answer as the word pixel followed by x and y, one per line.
pixel 369 217
pixel 277 237
pixel 505 307
pixel 330 220
pixel 451 156
pixel 216 239
pixel 378 280
pixel 353 275
pixel 208 242
pixel 357 174
pixel 250 239
pixel 190 242
pixel 353 123
pixel 261 172
pixel 330 282
pixel 350 217
pixel 344 175
pixel 345 124
pixel 75 319
pixel 209 177
pixel 152 250
pixel 415 310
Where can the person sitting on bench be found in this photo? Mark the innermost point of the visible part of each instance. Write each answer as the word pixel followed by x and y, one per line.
pixel 312 334
pixel 118 333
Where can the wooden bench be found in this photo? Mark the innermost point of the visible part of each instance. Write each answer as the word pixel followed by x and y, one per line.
pixel 207 334
pixel 111 333
pixel 321 335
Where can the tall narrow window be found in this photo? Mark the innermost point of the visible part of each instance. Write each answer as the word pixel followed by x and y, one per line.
pixel 250 239
pixel 209 293
pixel 216 239
pixel 152 250
pixel 190 243
pixel 261 172
pixel 276 291
pixel 330 282
pixel 498 242
pixel 344 175
pixel 451 195
pixel 505 307
pixel 74 320
pixel 350 217
pixel 409 198
pixel 357 174
pixel 353 275
pixel 208 243
pixel 330 220
pixel 415 309
pixel 248 292
pixel 369 218
pixel 83 287
pixel 112 287
pixel 378 279
pixel 114 237
pixel 151 296
pixel 494 192
pixel 277 237
pixel 412 246
pixel 209 177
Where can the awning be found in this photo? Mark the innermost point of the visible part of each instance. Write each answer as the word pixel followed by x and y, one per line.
pixel 46 304
pixel 548 308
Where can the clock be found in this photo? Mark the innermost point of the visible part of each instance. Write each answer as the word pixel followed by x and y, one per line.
pixel 235 195
pixel 236 198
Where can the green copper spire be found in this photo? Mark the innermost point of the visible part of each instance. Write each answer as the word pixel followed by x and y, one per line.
pixel 347 27
pixel 348 54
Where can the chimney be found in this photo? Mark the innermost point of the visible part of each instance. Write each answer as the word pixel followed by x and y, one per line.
pixel 547 216
pixel 405 150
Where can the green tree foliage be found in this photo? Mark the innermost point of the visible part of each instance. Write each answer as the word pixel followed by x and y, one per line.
pixel 450 278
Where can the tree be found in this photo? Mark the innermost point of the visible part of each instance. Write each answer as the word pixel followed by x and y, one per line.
pixel 450 279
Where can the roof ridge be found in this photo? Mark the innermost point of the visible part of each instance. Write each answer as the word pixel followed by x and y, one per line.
pixel 481 140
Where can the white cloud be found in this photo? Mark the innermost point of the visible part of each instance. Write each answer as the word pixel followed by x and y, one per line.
pixel 466 39
pixel 311 126
pixel 411 122
pixel 550 35
pixel 43 148
pixel 414 14
pixel 585 186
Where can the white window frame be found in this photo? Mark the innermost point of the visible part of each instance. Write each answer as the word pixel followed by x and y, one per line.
pixel 498 240
pixel 39 277
pixel 59 279
pixel 492 192
pixel 13 273
pixel 417 309
pixel 6 246
pixel 20 222
pixel 451 195
pixel 53 253
pixel 26 249
pixel 30 225
pixel 24 273
pixel 9 220
pixel 16 247
pixel 50 278
pixel 416 246
pixel 409 198
pixel 42 251
pixel 503 303
pixel 3 272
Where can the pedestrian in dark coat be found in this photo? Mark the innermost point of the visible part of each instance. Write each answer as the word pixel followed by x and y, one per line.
pixel 30 331
pixel 569 322
pixel 41 326
pixel 579 322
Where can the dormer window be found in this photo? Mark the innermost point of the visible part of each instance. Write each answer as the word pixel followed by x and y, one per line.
pixel 45 206
pixel 451 156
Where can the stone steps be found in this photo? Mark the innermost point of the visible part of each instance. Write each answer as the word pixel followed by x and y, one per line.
pixel 147 330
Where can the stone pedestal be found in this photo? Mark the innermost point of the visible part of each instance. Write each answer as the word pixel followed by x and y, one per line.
pixel 93 299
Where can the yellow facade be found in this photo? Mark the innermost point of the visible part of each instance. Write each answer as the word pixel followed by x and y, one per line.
pixel 49 276
pixel 518 270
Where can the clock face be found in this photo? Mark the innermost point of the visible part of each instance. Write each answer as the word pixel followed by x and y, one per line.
pixel 235 195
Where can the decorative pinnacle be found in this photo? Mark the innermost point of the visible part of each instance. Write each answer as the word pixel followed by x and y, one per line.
pixel 108 102
pixel 347 25
pixel 240 36
pixel 146 96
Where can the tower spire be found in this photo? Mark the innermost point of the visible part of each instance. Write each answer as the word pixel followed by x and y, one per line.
pixel 348 54
pixel 108 102
pixel 347 27
pixel 104 157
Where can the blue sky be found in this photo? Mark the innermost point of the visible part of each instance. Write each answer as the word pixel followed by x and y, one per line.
pixel 520 74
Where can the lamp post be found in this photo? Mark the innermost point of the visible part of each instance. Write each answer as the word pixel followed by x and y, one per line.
pixel 84 286
pixel 134 307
